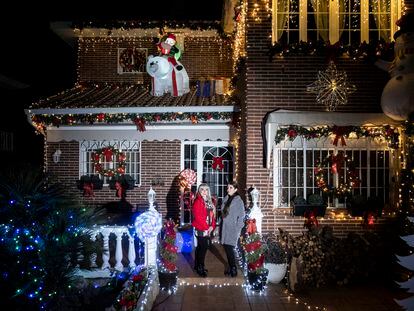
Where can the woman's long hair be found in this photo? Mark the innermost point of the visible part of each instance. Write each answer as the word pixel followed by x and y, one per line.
pixel 208 199
pixel 226 208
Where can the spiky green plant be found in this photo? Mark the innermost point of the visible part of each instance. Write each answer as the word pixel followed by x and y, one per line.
pixel 44 239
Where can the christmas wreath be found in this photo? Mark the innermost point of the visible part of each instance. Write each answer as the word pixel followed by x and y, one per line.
pixel 132 59
pixel 336 162
pixel 108 155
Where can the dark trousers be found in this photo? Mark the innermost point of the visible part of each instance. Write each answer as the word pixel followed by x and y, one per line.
pixel 229 249
pixel 201 250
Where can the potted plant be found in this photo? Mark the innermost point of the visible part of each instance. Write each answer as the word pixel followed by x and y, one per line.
pixel 254 254
pixel 125 180
pixel 94 180
pixel 275 258
pixel 315 204
pixel 167 270
pixel 357 205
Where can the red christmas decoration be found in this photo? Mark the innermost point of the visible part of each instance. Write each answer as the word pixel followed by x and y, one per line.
pixel 251 226
pixel 119 189
pixel 140 123
pixel 107 154
pixel 310 219
pixel 217 163
pixel 88 189
pixel 101 117
pixel 340 132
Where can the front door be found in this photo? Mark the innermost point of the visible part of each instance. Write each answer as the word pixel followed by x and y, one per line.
pixel 213 163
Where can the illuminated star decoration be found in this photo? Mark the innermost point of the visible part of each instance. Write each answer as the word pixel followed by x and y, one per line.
pixel 332 87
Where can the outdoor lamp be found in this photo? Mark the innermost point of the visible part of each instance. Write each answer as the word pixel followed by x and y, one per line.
pixel 56 156
pixel 151 197
pixel 255 196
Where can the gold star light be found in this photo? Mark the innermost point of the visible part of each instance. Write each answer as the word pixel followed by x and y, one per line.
pixel 332 87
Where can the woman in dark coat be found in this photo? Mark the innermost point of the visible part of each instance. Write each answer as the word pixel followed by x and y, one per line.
pixel 232 223
pixel 204 223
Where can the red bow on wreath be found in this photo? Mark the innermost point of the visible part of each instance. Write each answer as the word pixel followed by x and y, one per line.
pixel 88 189
pixel 217 163
pixel 251 226
pixel 107 152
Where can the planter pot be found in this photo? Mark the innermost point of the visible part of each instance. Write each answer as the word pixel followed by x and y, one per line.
pixel 276 272
pixel 300 210
pixel 257 281
pixel 167 280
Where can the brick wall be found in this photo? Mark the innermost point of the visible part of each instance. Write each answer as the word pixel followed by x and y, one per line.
pixel 281 83
pixel 158 159
pixel 202 57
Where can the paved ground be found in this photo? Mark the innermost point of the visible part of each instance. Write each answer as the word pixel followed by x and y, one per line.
pixel 217 292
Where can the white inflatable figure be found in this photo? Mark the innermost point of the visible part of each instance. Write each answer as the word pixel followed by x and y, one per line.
pixel 165 78
pixel 397 100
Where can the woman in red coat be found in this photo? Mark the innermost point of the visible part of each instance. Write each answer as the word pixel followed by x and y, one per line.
pixel 204 223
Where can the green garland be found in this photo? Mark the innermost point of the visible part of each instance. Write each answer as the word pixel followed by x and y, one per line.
pixel 390 134
pixel 41 121
pixel 366 51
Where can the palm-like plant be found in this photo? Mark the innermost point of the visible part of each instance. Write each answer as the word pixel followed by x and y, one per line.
pixel 44 238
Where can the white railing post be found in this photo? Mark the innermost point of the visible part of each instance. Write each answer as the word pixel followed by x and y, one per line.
pixel 105 255
pixel 131 252
pixel 256 212
pixel 94 255
pixel 118 251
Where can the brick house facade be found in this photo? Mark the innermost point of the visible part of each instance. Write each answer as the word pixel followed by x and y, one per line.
pixel 263 86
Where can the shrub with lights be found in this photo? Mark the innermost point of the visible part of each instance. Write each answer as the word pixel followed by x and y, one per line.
pixel 254 253
pixel 129 296
pixel 43 241
pixel 167 270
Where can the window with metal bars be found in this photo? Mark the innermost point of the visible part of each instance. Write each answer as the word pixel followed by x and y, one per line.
pixel 132 150
pixel 294 171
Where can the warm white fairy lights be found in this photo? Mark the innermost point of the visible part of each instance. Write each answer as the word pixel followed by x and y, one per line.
pixel 332 87
pixel 239 49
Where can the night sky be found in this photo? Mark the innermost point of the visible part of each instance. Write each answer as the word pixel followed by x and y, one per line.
pixel 35 56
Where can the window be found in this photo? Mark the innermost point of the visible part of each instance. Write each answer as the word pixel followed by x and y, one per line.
pixel 132 150
pixel 350 21
pixel 295 162
pixel 131 60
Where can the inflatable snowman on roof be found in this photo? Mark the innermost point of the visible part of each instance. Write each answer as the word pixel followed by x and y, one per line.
pixel 397 100
pixel 168 75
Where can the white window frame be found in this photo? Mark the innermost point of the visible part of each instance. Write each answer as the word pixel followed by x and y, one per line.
pixel 396 12
pixel 200 145
pixel 366 144
pixel 123 145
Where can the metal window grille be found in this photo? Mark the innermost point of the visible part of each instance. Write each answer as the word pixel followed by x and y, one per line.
pixel 132 150
pixel 294 169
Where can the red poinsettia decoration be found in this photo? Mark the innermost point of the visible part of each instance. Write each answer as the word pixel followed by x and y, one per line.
pixel 254 248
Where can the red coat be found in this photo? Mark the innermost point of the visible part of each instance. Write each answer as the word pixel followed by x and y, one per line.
pixel 200 215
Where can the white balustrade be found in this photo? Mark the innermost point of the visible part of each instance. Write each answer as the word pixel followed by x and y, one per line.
pixel 119 232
